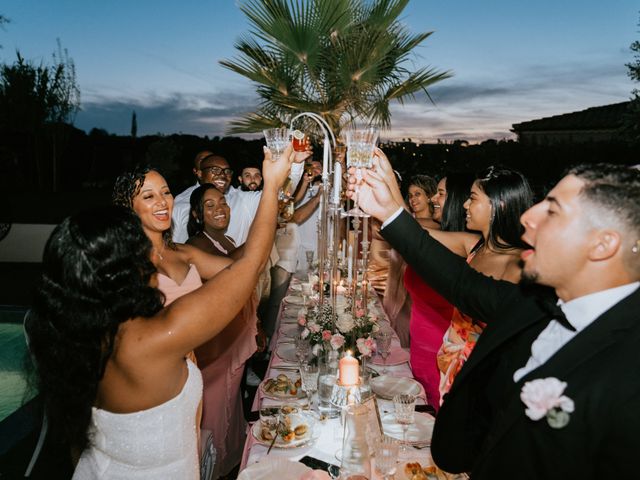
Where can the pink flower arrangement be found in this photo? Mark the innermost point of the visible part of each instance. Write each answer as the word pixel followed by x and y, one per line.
pixel 366 346
pixel 326 335
pixel 336 341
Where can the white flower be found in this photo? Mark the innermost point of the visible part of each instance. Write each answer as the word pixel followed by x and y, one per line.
pixel 345 322
pixel 365 346
pixel 316 349
pixel 313 327
pixel 543 397
pixel 336 341
pixel 304 333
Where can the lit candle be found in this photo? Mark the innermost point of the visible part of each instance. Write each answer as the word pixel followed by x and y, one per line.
pixel 349 370
pixel 337 182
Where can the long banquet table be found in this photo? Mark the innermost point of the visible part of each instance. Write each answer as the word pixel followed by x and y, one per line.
pixel 330 435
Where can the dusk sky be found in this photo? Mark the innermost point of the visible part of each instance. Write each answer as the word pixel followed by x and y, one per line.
pixel 512 61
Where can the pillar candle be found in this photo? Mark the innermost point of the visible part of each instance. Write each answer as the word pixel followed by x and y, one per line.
pixel 337 182
pixel 349 370
pixel 325 158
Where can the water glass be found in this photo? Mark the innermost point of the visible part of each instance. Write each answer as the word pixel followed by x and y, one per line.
pixel 303 348
pixel 309 379
pixel 386 453
pixel 404 405
pixel 277 140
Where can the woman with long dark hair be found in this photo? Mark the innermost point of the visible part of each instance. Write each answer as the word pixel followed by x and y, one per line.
pixel 430 312
pixel 111 360
pixel 496 200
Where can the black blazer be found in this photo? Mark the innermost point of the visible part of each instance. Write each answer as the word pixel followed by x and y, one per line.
pixel 482 426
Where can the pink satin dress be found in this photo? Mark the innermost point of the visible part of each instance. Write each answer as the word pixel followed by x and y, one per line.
pixel 430 318
pixel 221 361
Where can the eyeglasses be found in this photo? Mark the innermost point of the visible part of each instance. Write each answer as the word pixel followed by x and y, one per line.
pixel 218 170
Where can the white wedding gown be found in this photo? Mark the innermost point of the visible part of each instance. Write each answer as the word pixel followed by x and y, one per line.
pixel 158 443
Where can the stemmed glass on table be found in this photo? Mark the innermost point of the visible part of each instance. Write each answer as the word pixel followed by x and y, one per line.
pixel 404 405
pixel 360 146
pixel 309 254
pixel 383 346
pixel 303 348
pixel 386 452
pixel 309 379
pixel 307 291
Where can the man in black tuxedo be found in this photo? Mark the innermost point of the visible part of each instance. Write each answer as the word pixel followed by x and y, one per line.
pixel 542 396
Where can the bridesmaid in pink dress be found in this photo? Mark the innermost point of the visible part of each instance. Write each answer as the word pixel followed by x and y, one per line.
pixel 430 312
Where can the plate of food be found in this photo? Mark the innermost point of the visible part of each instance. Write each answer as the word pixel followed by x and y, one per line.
pixel 386 386
pixel 292 431
pixel 425 470
pixel 282 387
pixel 418 433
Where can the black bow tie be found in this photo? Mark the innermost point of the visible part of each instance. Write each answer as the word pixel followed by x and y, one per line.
pixel 552 309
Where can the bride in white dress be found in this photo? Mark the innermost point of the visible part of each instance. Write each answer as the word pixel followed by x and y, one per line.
pixel 110 360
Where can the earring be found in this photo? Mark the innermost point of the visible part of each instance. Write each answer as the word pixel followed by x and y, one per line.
pixel 636 247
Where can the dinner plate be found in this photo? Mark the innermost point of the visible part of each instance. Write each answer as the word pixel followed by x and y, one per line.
pixel 274 467
pixel 290 330
pixel 295 287
pixel 294 300
pixel 397 356
pixel 297 419
pixel 282 395
pixel 287 352
pixel 418 433
pixel 386 386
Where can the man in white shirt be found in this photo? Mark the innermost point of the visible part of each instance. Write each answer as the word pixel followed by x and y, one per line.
pixel 542 396
pixel 181 202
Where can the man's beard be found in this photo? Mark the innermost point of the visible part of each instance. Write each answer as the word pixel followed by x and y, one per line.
pixel 252 187
pixel 529 278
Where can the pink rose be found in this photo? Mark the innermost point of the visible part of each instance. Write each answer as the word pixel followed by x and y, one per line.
pixel 336 341
pixel 365 346
pixel 359 312
pixel 326 335
pixel 543 395
pixel 302 321
pixel 313 327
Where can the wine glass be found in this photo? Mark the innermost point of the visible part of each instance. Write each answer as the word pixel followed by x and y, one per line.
pixel 309 254
pixel 360 146
pixel 404 405
pixel 306 291
pixel 383 346
pixel 309 378
pixel 277 140
pixel 386 452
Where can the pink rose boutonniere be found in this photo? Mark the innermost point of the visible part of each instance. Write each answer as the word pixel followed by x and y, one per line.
pixel 544 398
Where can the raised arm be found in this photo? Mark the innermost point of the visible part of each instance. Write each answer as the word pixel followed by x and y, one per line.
pixel 472 292
pixel 195 318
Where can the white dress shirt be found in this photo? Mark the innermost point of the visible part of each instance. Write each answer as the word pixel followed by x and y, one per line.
pixel 307 230
pixel 180 214
pixel 580 313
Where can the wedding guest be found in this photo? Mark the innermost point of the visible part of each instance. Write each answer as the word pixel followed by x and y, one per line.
pixel 110 359
pixel 421 189
pixel 250 178
pixel 181 203
pixel 431 314
pixel 550 390
pixel 222 359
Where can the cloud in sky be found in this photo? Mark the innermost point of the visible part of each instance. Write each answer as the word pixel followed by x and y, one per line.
pixel 473 110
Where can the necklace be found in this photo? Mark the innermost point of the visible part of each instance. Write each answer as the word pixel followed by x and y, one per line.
pixel 159 253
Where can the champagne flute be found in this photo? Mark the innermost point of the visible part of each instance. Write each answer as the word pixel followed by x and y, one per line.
pixel 383 346
pixel 404 405
pixel 360 146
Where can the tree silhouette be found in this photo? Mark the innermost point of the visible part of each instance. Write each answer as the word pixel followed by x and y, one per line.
pixel 632 118
pixel 134 125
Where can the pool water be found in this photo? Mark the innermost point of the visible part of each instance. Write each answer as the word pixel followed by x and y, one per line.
pixel 14 389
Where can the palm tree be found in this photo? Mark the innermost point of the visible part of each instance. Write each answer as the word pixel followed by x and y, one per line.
pixel 342 59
